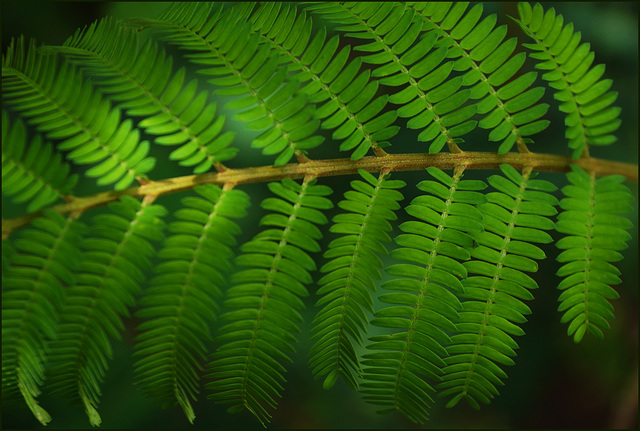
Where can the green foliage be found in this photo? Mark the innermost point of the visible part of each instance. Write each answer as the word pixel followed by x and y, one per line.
pixel 42 262
pixel 262 304
pixel 32 172
pixel 175 112
pixel 241 66
pixel 115 256
pixel 434 245
pixel 352 271
pixel 437 316
pixel 513 218
pixel 184 294
pixel 350 107
pixel 585 98
pixel 68 108
pixel 595 234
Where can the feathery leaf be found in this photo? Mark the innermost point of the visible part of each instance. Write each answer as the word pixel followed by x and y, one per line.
pixel 399 374
pixel 350 275
pixel 68 108
pixel 183 296
pixel 261 316
pixel 595 231
pixel 590 118
pixel 33 291
pixel 32 172
pixel 116 253
pixel 492 306
pixel 110 55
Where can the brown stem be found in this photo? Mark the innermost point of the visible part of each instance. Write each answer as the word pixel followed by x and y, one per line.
pixel 333 167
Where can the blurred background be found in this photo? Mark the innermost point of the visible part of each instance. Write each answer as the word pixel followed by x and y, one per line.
pixel 554 384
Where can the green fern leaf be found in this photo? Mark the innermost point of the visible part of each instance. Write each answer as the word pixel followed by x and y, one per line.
pixel 424 302
pixel 458 279
pixel 183 296
pixel 33 290
pixel 350 275
pixel 115 255
pixel 513 218
pixel 348 100
pixel 32 172
pixel 263 302
pixel 69 109
pixel 240 66
pixel 178 114
pixel 585 99
pixel 595 231
pixel 477 47
pixel 438 109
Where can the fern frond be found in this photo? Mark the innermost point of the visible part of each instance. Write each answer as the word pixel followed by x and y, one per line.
pixel 327 78
pixel 350 275
pixel 262 305
pixel 435 103
pixel 65 107
pixel 115 256
pixel 424 302
pixel 584 97
pixel 596 230
pixel 510 110
pixel 33 290
pixel 515 216
pixel 240 66
pixel 32 172
pixel 183 297
pixel 109 54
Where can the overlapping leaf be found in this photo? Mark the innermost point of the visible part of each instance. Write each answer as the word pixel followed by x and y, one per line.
pixel 513 218
pixel 177 113
pixel 509 106
pixel 67 108
pixel 32 172
pixel 585 97
pixel 596 231
pixel 33 290
pixel 348 102
pixel 424 305
pixel 184 294
pixel 452 307
pixel 435 103
pixel 262 306
pixel 116 254
pixel 351 272
pixel 239 66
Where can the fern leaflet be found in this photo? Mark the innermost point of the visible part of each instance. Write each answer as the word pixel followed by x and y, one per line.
pixel 33 284
pixel 263 302
pixel 509 109
pixel 32 172
pixel 177 113
pixel 595 231
pixel 513 218
pixel 428 94
pixel 240 66
pixel 115 255
pixel 69 108
pixel 183 296
pixel 348 102
pixel 424 302
pixel 350 275
pixel 590 119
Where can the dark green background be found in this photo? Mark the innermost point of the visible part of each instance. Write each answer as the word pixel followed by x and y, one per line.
pixel 555 383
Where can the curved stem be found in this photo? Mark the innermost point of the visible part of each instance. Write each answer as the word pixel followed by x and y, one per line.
pixel 333 167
